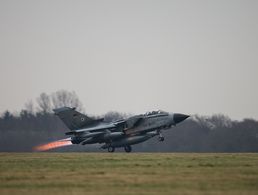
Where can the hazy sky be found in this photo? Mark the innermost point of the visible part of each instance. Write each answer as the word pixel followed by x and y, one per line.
pixel 132 56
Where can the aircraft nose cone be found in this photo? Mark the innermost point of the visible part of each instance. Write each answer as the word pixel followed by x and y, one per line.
pixel 180 117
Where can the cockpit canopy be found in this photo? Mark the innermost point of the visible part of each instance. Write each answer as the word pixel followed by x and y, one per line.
pixel 156 112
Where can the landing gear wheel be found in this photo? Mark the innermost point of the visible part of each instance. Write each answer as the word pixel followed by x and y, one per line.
pixel 161 139
pixel 111 149
pixel 128 148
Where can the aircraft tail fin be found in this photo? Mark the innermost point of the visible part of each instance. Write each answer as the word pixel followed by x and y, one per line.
pixel 72 119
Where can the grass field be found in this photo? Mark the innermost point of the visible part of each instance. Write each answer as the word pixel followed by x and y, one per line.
pixel 121 173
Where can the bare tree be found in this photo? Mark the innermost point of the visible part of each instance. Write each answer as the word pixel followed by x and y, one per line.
pixel 220 120
pixel 44 103
pixel 66 98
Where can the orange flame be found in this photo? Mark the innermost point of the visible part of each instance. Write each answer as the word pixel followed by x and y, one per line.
pixel 52 145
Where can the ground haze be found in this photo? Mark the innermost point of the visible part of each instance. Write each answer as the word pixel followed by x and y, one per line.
pixel 120 173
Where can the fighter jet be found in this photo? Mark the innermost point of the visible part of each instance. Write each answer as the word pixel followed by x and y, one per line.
pixel 121 133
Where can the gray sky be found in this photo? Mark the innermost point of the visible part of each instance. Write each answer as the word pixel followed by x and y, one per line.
pixel 132 56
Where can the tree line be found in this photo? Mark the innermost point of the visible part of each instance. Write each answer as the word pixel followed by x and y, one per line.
pixel 36 124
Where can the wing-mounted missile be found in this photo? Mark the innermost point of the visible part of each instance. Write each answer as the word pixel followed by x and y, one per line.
pixel 129 140
pixel 112 136
pixel 107 137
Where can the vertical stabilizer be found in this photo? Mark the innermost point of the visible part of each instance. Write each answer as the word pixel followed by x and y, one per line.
pixel 73 119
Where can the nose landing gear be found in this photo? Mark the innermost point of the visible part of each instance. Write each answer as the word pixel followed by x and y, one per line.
pixel 161 138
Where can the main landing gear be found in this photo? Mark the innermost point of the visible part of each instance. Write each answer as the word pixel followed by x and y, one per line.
pixel 128 148
pixel 111 149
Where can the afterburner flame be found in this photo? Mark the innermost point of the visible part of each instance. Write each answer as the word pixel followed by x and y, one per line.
pixel 52 145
